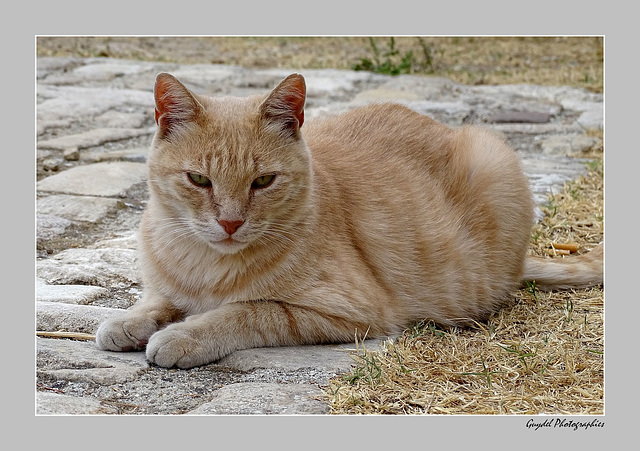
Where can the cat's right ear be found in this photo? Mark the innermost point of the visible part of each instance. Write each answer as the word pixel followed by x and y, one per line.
pixel 175 104
pixel 284 106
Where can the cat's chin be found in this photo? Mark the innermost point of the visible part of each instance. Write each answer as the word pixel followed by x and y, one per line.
pixel 228 246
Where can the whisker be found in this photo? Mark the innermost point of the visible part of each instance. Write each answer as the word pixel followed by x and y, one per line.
pixel 182 233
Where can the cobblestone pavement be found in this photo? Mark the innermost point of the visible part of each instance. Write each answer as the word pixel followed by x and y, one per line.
pixel 94 124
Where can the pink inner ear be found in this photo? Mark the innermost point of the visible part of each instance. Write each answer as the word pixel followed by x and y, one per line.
pixel 165 100
pixel 295 98
pixel 174 102
pixel 285 104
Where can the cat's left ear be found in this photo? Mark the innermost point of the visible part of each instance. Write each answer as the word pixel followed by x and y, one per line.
pixel 175 104
pixel 284 107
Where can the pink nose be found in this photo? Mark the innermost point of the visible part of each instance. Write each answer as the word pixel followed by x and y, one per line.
pixel 230 227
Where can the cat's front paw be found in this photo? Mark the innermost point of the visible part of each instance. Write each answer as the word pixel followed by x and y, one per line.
pixel 125 333
pixel 176 346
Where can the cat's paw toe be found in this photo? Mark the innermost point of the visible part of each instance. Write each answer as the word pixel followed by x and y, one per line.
pixel 125 333
pixel 175 347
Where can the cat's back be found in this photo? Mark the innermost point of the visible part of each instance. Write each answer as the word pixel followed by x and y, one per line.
pixel 384 131
pixel 397 145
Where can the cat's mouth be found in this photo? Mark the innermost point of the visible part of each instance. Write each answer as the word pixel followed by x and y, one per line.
pixel 230 241
pixel 229 245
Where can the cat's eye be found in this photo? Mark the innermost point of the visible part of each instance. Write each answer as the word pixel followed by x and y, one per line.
pixel 263 181
pixel 199 179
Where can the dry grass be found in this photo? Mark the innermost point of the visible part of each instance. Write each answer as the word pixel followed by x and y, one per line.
pixel 561 61
pixel 545 354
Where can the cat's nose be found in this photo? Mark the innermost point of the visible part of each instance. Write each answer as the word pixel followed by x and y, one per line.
pixel 230 226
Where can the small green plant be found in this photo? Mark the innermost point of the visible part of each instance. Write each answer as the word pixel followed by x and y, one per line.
pixel 594 165
pixel 550 207
pixel 522 355
pixel 484 373
pixel 568 308
pixel 426 327
pixel 392 62
pixel 368 369
pixel 531 288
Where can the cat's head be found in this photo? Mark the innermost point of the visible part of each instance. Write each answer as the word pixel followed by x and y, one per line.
pixel 231 172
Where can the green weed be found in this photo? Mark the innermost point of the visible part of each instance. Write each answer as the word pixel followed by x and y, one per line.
pixel 484 373
pixel 368 369
pixel 392 62
pixel 531 288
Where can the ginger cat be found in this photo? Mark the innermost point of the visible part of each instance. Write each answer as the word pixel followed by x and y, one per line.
pixel 262 232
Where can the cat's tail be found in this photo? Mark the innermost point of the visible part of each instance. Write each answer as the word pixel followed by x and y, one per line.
pixel 574 272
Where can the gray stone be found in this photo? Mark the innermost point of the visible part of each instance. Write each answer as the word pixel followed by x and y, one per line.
pixel 51 164
pixel 71 154
pixel 260 398
pixel 78 208
pixel 592 118
pixel 99 179
pixel 547 176
pixel 62 316
pixel 137 154
pixel 520 117
pixel 99 267
pixel 536 129
pixel 126 241
pixel 81 361
pixel 488 100
pixel 445 111
pixel 326 84
pixel 450 113
pixel 48 403
pixel 328 358
pixel 50 226
pixel 590 108
pixel 435 89
pixel 567 144
pixel 385 94
pixel 70 294
pixel 107 69
pixel 48 65
pixel 63 104
pixel 117 119
pixel 91 138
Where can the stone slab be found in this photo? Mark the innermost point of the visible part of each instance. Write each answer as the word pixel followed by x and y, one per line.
pixel 79 103
pixel 111 179
pixel 54 316
pixel 567 144
pixel 48 403
pixel 78 208
pixel 117 119
pixel 535 117
pixel 136 154
pixel 91 138
pixel 105 267
pixel 385 94
pixel 50 226
pixel 328 358
pixel 69 294
pixel 260 398
pixel 82 361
